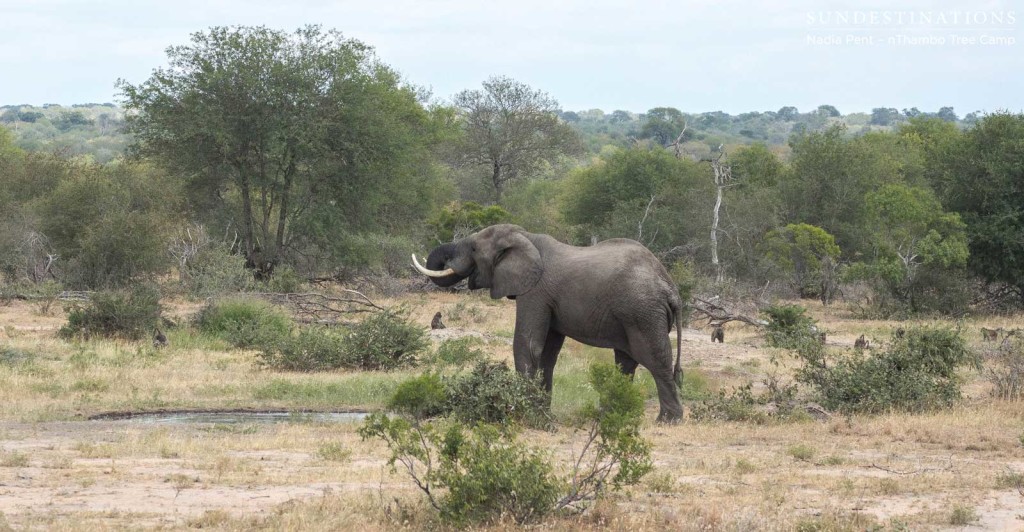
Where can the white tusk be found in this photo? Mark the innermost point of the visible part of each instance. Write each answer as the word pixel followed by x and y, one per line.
pixel 430 273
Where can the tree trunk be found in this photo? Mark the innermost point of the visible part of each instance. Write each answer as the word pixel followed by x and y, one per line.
pixel 498 185
pixel 714 236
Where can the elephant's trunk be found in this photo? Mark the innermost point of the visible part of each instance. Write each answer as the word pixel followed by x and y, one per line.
pixel 437 266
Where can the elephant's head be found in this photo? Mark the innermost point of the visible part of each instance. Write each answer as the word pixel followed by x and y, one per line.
pixel 500 257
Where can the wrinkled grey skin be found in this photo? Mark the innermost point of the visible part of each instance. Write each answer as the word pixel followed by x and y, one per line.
pixel 615 294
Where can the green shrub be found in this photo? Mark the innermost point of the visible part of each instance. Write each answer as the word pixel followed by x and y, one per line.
pixel 458 352
pixel 1006 370
pixel 489 475
pixel 132 315
pixel 385 341
pixel 214 271
pixel 284 281
pixel 245 322
pixel 494 393
pixel 916 372
pixel 789 327
pixel 311 349
pixel 420 397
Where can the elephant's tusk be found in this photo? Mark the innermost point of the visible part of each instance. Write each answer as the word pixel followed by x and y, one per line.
pixel 430 273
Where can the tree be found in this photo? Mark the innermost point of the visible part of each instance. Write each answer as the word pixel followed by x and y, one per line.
pixel 947 114
pixel 512 130
pixel 829 111
pixel 296 140
pixel 912 236
pixel 984 179
pixel 788 114
pixel 807 256
pixel 884 116
pixel 663 125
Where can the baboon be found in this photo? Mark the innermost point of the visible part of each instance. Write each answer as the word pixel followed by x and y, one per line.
pixel 900 331
pixel 821 337
pixel 861 343
pixel 718 333
pixel 990 335
pixel 436 323
pixel 159 340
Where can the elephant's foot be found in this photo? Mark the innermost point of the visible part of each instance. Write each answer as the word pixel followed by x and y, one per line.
pixel 670 418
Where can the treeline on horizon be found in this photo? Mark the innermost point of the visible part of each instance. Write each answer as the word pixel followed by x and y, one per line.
pixel 258 156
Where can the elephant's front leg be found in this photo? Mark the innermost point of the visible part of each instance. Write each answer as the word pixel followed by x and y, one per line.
pixel 531 336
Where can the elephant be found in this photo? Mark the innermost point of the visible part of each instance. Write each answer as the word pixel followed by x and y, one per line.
pixel 614 294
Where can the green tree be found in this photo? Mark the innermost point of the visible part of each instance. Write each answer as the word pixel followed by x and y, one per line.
pixel 807 256
pixel 511 130
pixel 646 195
pixel 914 239
pixel 663 125
pixel 983 180
pixel 296 139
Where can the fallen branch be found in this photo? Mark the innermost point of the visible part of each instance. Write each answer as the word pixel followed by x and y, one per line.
pixel 718 315
pixel 320 308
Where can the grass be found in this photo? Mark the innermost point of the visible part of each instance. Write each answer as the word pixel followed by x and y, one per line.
pixel 846 473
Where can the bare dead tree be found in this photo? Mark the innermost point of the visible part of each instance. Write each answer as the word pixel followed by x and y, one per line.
pixel 186 245
pixel 677 146
pixel 640 224
pixel 723 180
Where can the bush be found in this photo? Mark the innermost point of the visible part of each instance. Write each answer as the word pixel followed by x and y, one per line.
pixel 789 327
pixel 312 349
pixel 489 474
pixel 458 352
pixel 494 393
pixel 131 315
pixel 776 404
pixel 1006 370
pixel 245 322
pixel 385 341
pixel 215 271
pixel 917 372
pixel 420 397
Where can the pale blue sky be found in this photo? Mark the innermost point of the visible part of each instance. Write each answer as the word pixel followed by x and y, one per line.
pixel 694 55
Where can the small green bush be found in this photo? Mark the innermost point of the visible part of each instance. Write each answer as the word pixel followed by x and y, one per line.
pixel 311 349
pixel 789 327
pixel 123 314
pixel 245 322
pixel 1006 370
pixel 494 393
pixel 489 475
pixel 385 341
pixel 458 352
pixel 284 281
pixel 420 397
pixel 214 271
pixel 916 372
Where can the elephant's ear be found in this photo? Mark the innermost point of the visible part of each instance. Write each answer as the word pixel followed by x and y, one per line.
pixel 517 267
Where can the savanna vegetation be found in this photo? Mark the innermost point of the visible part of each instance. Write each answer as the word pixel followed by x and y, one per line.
pixel 254 203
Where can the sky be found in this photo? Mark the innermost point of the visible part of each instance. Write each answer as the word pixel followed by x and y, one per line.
pixel 697 56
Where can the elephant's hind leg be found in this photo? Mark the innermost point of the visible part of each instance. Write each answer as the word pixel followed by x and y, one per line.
pixel 653 350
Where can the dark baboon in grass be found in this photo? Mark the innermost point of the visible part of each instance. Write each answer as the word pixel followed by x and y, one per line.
pixel 861 343
pixel 436 323
pixel 159 340
pixel 718 333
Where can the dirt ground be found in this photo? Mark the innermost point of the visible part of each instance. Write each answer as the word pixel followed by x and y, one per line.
pixel 945 470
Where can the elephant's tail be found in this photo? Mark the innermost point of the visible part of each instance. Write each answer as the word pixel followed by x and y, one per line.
pixel 677 373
